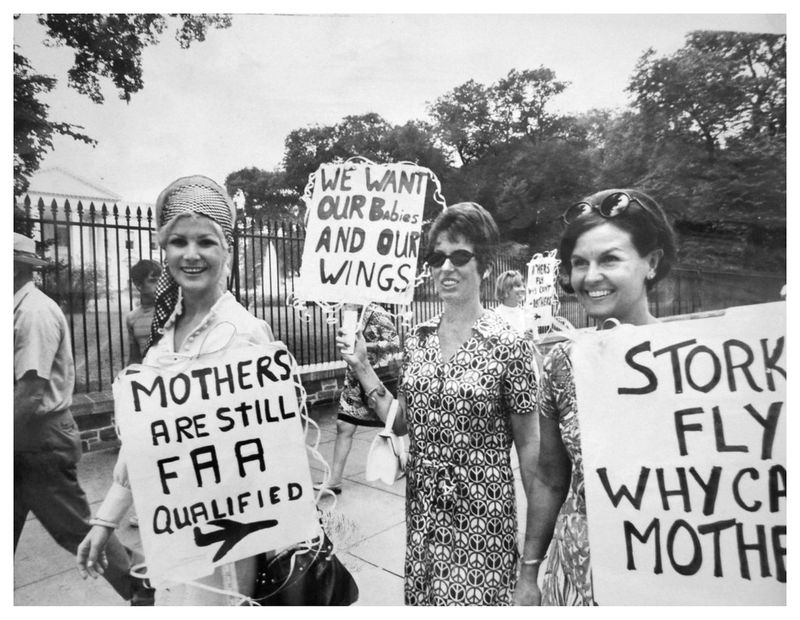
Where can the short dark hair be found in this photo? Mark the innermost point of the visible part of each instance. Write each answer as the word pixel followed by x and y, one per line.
pixel 142 269
pixel 474 224
pixel 648 228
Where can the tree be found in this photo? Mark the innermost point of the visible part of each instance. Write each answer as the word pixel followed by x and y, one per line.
pixel 33 131
pixel 266 192
pixel 462 120
pixel 473 119
pixel 718 86
pixel 106 46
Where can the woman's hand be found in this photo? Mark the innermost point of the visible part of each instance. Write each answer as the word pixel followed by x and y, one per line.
pixel 358 356
pixel 91 556
pixel 527 591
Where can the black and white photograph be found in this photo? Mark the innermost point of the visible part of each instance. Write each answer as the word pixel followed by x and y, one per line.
pixel 337 305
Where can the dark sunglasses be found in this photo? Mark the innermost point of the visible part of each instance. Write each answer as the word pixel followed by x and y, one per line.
pixel 611 206
pixel 459 258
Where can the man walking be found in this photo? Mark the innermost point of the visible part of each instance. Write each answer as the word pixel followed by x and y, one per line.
pixel 46 442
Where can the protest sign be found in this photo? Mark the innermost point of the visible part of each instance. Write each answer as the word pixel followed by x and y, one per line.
pixel 216 458
pixel 541 295
pixel 683 436
pixel 363 233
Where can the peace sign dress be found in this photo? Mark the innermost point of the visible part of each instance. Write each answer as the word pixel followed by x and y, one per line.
pixel 461 516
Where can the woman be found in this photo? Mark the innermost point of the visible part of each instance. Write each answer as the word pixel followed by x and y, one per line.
pixel 381 340
pixel 194 313
pixel 616 246
pixel 510 292
pixel 467 389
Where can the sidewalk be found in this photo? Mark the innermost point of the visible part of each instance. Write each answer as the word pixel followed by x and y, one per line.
pixel 372 546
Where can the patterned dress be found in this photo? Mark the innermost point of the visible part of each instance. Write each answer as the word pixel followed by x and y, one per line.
pixel 568 575
pixel 378 329
pixel 461 517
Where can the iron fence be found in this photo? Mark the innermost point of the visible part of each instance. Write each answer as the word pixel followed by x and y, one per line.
pixel 92 249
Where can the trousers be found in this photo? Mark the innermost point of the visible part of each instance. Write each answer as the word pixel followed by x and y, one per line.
pixel 46 484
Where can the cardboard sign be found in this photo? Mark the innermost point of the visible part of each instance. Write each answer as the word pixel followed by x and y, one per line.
pixel 216 459
pixel 683 434
pixel 541 294
pixel 363 233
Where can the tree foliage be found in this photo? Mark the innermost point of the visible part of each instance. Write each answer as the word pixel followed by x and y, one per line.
pixel 107 46
pixel 33 131
pixel 472 119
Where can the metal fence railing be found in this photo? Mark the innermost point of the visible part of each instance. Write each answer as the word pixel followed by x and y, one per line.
pixel 92 249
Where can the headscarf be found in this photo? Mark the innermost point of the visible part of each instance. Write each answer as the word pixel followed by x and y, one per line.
pixel 192 194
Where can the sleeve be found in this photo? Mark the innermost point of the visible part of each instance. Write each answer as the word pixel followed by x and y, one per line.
pixel 520 381
pixel 554 369
pixel 37 335
pixel 119 497
pixel 411 343
pixel 386 331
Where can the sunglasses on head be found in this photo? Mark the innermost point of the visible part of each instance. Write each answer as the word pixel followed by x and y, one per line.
pixel 611 206
pixel 459 258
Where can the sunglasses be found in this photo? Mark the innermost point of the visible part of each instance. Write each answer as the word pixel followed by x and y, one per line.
pixel 611 206
pixel 459 258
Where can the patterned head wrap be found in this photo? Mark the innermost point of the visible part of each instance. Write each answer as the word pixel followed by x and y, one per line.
pixel 193 194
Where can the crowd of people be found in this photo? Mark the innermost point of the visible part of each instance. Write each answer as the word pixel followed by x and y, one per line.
pixel 469 389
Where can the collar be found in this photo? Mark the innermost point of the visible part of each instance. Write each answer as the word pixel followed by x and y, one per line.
pixel 224 299
pixel 23 292
pixel 486 324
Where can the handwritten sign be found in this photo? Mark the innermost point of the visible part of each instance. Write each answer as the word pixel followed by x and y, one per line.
pixel 541 295
pixel 683 436
pixel 363 233
pixel 216 459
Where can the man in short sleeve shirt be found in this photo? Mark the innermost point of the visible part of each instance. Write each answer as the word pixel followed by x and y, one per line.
pixel 46 441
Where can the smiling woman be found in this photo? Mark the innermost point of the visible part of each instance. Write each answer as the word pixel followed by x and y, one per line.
pixel 616 246
pixel 467 391
pixel 194 314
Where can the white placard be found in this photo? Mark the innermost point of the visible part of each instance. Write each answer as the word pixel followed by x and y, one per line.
pixel 216 458
pixel 683 434
pixel 363 233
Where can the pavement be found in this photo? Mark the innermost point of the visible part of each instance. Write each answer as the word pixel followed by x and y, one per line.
pixel 370 537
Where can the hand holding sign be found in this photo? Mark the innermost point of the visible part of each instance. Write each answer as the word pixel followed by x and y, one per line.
pixel 217 460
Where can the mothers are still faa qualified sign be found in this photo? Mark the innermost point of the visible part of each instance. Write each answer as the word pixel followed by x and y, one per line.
pixel 363 233
pixel 216 458
pixel 684 454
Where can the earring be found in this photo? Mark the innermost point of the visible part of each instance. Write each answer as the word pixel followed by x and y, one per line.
pixel 651 275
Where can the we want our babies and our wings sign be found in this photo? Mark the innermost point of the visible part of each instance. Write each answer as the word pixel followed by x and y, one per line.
pixel 363 233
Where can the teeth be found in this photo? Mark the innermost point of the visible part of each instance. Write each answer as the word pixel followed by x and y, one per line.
pixel 598 294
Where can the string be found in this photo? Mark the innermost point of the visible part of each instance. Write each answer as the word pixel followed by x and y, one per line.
pixel 140 570
pixel 330 310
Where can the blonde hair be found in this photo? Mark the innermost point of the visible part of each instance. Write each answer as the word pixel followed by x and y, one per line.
pixel 505 282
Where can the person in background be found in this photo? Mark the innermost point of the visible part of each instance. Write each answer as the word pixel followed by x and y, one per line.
pixel 47 446
pixel 144 277
pixel 467 391
pixel 382 341
pixel 194 313
pixel 617 245
pixel 510 292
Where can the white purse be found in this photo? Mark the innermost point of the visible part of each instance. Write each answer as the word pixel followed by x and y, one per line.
pixel 388 454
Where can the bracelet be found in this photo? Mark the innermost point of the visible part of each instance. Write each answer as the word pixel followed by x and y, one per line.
pixel 535 562
pixel 378 388
pixel 103 522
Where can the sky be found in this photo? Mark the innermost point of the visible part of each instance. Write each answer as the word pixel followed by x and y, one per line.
pixel 229 102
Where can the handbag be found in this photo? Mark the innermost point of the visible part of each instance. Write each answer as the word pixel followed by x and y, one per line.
pixel 310 575
pixel 388 454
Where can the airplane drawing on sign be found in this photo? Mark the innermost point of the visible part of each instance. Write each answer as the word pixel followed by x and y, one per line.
pixel 230 532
